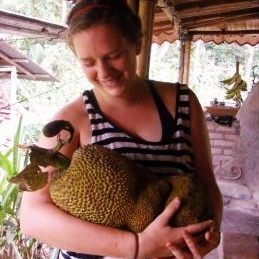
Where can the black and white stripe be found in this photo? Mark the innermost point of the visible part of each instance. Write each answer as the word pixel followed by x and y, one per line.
pixel 166 157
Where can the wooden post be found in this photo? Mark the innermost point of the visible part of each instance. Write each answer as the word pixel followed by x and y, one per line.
pixel 133 4
pixel 184 62
pixel 146 13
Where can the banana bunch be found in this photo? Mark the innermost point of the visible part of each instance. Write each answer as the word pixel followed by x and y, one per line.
pixel 236 84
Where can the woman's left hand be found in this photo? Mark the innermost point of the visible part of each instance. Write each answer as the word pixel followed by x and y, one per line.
pixel 196 250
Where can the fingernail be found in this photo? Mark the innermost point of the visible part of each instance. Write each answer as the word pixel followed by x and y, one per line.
pixel 176 200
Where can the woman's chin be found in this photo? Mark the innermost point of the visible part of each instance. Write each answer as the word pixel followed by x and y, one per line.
pixel 114 88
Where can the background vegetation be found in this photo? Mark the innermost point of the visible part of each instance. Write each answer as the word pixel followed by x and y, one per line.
pixel 210 63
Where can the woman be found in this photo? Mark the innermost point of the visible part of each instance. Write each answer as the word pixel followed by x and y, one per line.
pixel 157 124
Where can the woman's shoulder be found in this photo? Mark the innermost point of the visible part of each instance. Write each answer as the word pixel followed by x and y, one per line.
pixel 169 87
pixel 72 110
pixel 164 84
pixel 75 113
pixel 168 92
pixel 165 88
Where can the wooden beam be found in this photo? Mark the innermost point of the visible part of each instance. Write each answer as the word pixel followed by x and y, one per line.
pixel 237 32
pixel 146 13
pixel 184 62
pixel 20 60
pixel 205 9
pixel 28 73
pixel 192 14
pixel 133 4
pixel 30 27
pixel 216 21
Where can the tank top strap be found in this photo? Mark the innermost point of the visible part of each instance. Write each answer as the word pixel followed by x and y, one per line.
pixel 166 118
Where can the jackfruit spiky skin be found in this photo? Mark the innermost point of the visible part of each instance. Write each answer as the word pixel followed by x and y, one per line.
pixel 103 187
pixel 195 203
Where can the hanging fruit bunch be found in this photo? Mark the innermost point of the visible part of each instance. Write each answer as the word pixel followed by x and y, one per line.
pixel 235 85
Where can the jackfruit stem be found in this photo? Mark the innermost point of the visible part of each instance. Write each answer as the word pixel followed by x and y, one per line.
pixel 54 128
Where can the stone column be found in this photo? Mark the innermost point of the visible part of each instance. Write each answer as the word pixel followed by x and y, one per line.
pixel 248 116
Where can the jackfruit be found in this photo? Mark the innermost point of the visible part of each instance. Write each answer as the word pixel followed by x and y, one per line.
pixel 104 187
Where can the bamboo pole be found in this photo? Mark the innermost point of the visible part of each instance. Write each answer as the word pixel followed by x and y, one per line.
pixel 184 62
pixel 146 13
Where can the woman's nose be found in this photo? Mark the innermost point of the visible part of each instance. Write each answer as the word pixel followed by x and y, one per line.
pixel 104 69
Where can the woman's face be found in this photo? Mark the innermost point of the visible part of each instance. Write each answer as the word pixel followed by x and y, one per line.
pixel 108 59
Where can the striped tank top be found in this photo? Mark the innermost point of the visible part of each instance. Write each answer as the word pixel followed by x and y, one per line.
pixel 171 155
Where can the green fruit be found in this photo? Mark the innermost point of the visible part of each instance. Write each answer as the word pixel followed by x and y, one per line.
pixel 231 80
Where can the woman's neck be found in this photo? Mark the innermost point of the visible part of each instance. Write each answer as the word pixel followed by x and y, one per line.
pixel 136 94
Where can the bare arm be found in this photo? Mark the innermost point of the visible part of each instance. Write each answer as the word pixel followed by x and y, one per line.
pixel 40 218
pixel 43 220
pixel 204 170
pixel 203 160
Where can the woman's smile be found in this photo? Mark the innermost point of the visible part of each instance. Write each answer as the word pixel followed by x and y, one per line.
pixel 110 63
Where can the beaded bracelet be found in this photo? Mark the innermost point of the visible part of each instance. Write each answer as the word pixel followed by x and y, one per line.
pixel 136 246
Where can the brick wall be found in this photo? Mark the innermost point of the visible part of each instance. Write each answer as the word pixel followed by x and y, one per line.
pixel 222 140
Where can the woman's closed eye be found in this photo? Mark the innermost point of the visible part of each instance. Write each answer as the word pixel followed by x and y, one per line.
pixel 114 56
pixel 87 62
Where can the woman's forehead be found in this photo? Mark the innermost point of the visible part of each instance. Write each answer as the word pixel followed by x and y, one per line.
pixel 101 39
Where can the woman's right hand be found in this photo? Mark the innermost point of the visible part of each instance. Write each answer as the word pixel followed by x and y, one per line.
pixel 153 240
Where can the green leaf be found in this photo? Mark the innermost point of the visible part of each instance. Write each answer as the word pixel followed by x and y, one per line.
pixel 5 163
pixel 17 139
pixel 9 196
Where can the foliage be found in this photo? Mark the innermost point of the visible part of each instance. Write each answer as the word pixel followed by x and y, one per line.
pixel 53 56
pixel 14 245
pixel 211 63
pixel 49 10
pixel 164 62
pixel 31 133
pixel 35 96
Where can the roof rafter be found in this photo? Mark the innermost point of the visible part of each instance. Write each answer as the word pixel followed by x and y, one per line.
pixel 12 62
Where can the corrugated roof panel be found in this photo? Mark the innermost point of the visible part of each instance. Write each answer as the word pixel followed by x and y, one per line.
pixel 26 68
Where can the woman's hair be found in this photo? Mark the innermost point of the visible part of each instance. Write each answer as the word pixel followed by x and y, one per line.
pixel 88 13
